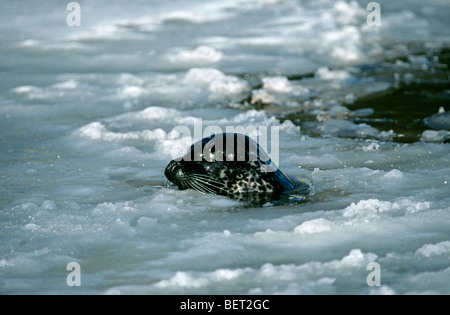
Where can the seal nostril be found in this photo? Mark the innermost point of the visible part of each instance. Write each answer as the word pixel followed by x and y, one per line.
pixel 170 170
pixel 174 172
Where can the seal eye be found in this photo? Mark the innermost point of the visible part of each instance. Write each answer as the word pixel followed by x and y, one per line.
pixel 209 151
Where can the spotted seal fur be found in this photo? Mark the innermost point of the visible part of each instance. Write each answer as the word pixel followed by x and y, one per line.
pixel 232 165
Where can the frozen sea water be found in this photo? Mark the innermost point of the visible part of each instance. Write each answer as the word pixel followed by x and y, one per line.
pixel 87 118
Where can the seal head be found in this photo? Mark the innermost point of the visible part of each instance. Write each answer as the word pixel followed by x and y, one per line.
pixel 232 165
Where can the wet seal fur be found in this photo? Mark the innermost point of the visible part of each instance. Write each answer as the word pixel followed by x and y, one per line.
pixel 232 165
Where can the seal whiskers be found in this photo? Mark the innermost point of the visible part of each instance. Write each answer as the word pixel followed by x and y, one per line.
pixel 201 187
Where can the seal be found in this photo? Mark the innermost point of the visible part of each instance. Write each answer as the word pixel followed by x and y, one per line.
pixel 232 165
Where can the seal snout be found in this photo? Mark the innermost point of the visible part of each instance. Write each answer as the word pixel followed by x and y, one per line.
pixel 171 170
pixel 174 172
